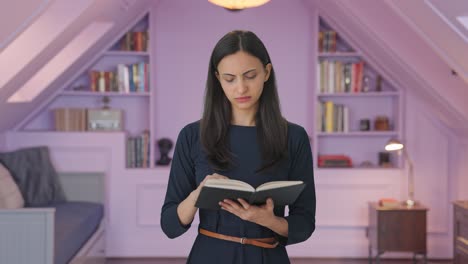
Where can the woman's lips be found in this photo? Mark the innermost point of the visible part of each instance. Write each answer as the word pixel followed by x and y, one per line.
pixel 243 99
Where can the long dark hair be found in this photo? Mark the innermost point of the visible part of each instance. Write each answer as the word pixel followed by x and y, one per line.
pixel 271 126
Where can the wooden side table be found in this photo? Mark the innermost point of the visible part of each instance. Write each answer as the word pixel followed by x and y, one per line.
pixel 460 232
pixel 397 229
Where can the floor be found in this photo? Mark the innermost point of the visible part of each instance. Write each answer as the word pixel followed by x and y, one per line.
pixel 293 261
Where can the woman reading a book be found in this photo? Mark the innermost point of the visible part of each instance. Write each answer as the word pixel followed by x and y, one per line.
pixel 243 136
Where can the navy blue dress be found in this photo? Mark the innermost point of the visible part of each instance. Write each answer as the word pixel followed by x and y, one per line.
pixel 190 166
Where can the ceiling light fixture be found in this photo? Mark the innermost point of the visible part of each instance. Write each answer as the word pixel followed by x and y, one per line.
pixel 238 4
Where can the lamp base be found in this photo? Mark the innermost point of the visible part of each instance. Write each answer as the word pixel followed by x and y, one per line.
pixel 410 203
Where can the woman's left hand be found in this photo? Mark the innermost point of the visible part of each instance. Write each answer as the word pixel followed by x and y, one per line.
pixel 261 215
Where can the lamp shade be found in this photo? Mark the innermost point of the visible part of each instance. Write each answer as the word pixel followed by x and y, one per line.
pixel 393 145
pixel 238 4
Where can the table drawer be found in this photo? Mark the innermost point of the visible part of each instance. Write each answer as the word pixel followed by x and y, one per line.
pixel 461 215
pixel 461 255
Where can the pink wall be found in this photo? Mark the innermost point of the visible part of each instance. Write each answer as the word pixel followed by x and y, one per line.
pixel 185 34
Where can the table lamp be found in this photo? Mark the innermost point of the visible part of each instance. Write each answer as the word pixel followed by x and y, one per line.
pixel 396 145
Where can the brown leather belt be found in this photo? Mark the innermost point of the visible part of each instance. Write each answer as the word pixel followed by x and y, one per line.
pixel 269 242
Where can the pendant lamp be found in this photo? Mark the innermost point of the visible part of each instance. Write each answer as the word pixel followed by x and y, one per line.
pixel 238 4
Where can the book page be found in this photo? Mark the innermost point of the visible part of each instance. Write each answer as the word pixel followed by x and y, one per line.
pixel 277 184
pixel 229 184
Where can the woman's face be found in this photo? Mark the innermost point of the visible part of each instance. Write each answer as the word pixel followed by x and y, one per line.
pixel 242 77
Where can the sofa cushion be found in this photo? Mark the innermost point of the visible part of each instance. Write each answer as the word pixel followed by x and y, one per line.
pixel 32 170
pixel 10 195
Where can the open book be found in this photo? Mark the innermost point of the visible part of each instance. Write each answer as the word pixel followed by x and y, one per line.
pixel 216 190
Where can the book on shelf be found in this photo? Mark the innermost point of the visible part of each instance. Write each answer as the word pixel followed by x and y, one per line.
pixel 138 149
pixel 334 161
pixel 216 190
pixel 389 203
pixel 132 78
pixel 134 41
pixel 70 119
pixel 327 41
pixel 340 77
pixel 332 117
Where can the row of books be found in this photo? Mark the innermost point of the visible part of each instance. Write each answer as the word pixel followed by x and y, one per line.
pixel 138 150
pixel 134 41
pixel 332 117
pixel 340 77
pixel 127 79
pixel 327 41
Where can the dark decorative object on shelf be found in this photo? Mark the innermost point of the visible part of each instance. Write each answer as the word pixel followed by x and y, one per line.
pixel 378 86
pixel 105 102
pixel 366 164
pixel 381 123
pixel 165 146
pixel 364 124
pixel 80 88
pixel 384 159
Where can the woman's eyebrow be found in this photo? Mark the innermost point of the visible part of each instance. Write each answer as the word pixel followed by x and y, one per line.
pixel 229 74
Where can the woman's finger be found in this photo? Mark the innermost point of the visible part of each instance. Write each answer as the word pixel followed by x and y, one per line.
pixel 232 204
pixel 244 204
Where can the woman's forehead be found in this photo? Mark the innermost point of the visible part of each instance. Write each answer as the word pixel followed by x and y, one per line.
pixel 238 63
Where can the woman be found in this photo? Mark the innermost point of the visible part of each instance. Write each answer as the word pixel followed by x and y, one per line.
pixel 242 135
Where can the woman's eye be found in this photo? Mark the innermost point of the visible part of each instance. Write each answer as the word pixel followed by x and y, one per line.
pixel 251 76
pixel 229 80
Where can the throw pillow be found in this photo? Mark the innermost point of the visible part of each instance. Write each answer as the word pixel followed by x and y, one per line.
pixel 37 178
pixel 10 195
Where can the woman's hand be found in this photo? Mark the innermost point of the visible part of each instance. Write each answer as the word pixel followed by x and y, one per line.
pixel 261 215
pixel 196 192
pixel 186 209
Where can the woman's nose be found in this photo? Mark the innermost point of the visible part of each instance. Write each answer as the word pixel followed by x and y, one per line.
pixel 242 86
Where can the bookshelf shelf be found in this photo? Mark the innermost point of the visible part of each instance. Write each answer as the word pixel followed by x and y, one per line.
pixel 339 54
pixel 98 94
pixel 122 74
pixel 358 134
pixel 349 94
pixel 359 94
pixel 357 168
pixel 126 53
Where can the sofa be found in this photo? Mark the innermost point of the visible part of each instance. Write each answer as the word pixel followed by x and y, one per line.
pixel 38 222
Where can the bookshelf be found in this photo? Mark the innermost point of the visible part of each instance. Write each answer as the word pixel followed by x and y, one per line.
pixel 121 74
pixel 356 109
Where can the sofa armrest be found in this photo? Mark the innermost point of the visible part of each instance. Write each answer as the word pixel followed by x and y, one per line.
pixel 27 235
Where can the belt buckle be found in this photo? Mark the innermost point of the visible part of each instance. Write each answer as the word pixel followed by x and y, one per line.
pixel 242 240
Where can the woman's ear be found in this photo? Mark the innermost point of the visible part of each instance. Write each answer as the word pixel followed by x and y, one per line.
pixel 268 71
pixel 217 75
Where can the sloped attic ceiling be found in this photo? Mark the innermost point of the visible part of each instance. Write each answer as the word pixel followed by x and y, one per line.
pixel 48 28
pixel 20 15
pixel 392 43
pixel 430 18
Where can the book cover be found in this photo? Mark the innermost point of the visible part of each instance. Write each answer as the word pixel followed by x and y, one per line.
pixel 215 190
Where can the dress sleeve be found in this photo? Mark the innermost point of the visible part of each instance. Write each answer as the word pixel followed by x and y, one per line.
pixel 181 184
pixel 301 218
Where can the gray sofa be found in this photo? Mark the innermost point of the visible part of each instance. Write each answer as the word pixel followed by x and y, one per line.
pixel 51 228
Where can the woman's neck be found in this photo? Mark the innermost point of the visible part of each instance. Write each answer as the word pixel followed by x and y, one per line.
pixel 243 118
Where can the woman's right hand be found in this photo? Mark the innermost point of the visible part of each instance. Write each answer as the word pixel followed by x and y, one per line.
pixel 186 209
pixel 196 192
